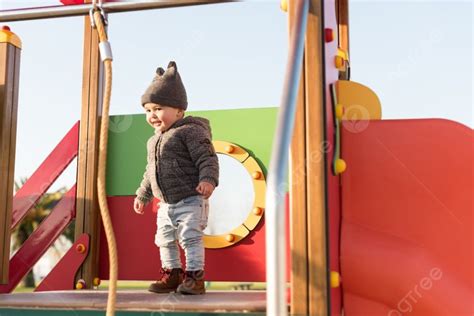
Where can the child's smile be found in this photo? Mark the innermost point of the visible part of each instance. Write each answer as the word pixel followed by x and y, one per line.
pixel 156 124
pixel 162 117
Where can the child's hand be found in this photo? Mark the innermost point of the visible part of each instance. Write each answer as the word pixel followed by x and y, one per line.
pixel 205 189
pixel 138 206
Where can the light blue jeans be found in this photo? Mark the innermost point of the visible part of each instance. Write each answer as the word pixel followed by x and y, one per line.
pixel 182 222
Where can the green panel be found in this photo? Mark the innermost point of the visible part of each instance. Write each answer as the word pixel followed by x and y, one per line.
pixel 75 312
pixel 253 129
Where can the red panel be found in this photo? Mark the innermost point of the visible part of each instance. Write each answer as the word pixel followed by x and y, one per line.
pixel 333 188
pixel 407 222
pixel 62 275
pixel 41 239
pixel 139 257
pixel 45 175
pixel 73 2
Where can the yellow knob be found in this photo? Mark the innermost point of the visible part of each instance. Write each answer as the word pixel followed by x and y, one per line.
pixel 256 175
pixel 258 211
pixel 339 166
pixel 96 281
pixel 81 284
pixel 229 149
pixel 339 62
pixel 284 5
pixel 335 279
pixel 339 111
pixel 80 248
pixel 230 238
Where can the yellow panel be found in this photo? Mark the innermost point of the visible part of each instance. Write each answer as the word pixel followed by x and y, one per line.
pixel 222 241
pixel 9 37
pixel 358 101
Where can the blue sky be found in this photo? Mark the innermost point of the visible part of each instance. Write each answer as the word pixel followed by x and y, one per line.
pixel 416 55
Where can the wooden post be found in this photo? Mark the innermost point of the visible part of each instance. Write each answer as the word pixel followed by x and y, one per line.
pixel 343 24
pixel 87 208
pixel 298 217
pixel 309 274
pixel 10 48
pixel 315 152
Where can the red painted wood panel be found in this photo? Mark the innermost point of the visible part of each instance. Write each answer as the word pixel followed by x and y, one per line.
pixel 41 239
pixel 63 274
pixel 407 222
pixel 45 175
pixel 139 257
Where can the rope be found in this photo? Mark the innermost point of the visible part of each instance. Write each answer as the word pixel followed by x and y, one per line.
pixel 104 209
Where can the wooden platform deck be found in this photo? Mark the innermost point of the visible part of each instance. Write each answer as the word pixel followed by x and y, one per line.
pixel 248 302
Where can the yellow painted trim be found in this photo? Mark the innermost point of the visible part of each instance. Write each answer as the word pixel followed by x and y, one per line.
pixel 221 241
pixel 359 101
pixel 258 208
pixel 238 152
pixel 10 37
pixel 339 111
pixel 259 187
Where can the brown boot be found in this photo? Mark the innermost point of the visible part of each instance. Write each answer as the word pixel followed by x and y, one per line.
pixel 170 279
pixel 193 283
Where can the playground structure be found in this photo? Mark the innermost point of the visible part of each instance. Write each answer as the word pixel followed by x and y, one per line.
pixel 374 227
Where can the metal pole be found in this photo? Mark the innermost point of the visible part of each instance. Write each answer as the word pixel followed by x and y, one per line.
pixel 276 189
pixel 83 9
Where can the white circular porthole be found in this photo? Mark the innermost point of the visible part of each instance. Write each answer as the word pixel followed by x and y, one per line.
pixel 238 203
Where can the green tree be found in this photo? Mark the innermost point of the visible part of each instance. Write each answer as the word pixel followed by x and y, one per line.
pixel 34 217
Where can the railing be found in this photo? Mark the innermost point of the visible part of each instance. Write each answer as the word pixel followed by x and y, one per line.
pixel 274 214
pixel 41 239
pixel 83 9
pixel 45 175
pixel 59 218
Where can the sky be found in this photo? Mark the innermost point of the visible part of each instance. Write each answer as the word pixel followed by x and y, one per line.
pixel 416 55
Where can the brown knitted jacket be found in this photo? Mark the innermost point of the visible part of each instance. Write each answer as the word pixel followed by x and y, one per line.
pixel 178 160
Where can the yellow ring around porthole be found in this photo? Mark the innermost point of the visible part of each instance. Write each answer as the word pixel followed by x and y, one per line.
pixel 258 208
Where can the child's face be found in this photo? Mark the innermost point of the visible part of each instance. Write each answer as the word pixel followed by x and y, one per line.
pixel 162 117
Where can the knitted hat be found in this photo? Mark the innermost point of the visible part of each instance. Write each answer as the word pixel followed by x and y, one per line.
pixel 167 89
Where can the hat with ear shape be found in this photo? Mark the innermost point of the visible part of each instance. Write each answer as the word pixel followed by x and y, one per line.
pixel 166 89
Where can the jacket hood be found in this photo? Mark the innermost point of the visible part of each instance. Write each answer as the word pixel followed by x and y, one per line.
pixel 193 120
